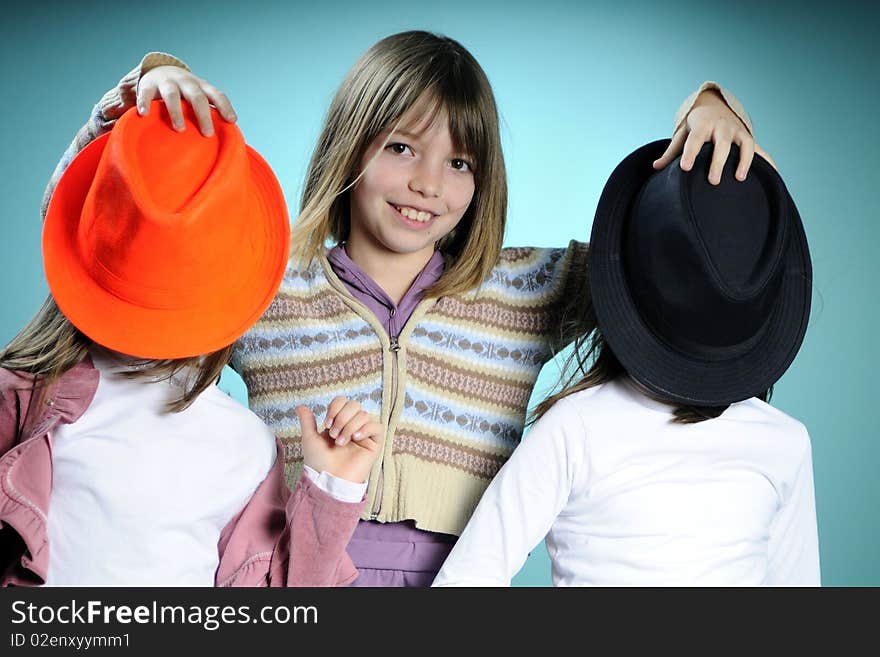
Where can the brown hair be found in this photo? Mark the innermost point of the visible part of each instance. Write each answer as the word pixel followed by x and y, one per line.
pixel 396 74
pixel 50 345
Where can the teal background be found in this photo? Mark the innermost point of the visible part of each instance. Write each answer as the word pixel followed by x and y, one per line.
pixel 579 85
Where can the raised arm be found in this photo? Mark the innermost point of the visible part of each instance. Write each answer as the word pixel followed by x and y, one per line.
pixel 159 75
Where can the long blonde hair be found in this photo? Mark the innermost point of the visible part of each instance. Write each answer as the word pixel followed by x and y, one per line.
pixel 50 345
pixel 394 75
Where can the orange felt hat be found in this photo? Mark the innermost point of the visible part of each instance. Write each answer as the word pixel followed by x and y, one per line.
pixel 165 245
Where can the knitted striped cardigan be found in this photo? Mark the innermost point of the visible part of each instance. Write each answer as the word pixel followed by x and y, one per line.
pixel 452 390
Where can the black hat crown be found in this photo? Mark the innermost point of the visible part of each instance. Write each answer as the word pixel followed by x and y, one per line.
pixel 704 262
pixel 702 291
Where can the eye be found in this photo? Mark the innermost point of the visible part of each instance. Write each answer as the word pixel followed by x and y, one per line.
pixel 398 148
pixel 460 164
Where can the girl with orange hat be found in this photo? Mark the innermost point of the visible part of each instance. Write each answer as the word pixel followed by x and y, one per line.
pixel 660 462
pixel 416 311
pixel 124 464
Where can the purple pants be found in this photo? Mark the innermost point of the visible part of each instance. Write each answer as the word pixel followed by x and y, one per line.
pixel 397 554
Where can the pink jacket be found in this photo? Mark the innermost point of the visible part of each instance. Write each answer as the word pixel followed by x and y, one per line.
pixel 278 539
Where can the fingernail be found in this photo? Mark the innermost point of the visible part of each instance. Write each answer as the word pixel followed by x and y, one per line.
pixel 334 433
pixel 357 435
pixel 340 442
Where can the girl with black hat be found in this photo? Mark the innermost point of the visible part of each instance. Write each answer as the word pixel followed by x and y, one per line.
pixel 660 462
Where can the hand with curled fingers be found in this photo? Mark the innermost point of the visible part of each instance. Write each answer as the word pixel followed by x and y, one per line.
pixel 710 119
pixel 173 85
pixel 347 444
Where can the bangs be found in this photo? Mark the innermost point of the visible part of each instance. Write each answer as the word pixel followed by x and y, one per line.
pixel 465 128
pixel 449 81
pixel 469 133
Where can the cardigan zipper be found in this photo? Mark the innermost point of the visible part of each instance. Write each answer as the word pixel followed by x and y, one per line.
pixel 394 348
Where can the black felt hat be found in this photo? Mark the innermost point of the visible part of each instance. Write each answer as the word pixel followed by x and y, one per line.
pixel 702 291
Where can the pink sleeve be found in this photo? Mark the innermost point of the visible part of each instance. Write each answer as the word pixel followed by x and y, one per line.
pixel 284 539
pixel 312 551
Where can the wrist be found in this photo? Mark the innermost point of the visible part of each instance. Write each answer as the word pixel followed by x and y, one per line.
pixel 340 488
pixel 155 59
pixel 709 96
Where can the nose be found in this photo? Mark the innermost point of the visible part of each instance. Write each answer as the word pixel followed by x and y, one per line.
pixel 427 180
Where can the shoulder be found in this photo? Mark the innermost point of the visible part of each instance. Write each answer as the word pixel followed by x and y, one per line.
pixel 606 398
pixel 534 271
pixel 532 257
pixel 239 423
pixel 11 380
pixel 82 377
pixel 571 413
pixel 759 411
pixel 770 420
pixel 299 276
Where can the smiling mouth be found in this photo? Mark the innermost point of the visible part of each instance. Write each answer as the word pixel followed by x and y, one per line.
pixel 412 214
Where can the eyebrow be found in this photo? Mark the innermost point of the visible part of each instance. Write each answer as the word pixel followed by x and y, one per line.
pixel 404 133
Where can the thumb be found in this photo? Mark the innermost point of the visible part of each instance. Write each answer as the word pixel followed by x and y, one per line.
pixel 307 421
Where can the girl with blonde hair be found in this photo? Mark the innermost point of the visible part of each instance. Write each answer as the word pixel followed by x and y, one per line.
pixel 416 312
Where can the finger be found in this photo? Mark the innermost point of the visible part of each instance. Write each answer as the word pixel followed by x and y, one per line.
pixel 673 149
pixel 221 102
pixel 343 417
pixel 746 155
pixel 171 95
pixel 692 146
pixel 334 408
pixel 201 107
pixel 146 92
pixel 307 421
pixel 372 435
pixel 353 428
pixel 760 151
pixel 372 430
pixel 719 158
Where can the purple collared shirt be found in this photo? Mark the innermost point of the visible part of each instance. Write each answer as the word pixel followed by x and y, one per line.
pixel 392 316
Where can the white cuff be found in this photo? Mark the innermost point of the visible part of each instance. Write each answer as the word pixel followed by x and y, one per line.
pixel 342 489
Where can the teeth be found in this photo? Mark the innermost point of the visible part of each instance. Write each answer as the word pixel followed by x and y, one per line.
pixel 412 213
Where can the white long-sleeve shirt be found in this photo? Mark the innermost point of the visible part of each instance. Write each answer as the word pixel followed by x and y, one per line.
pixel 151 491
pixel 629 498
